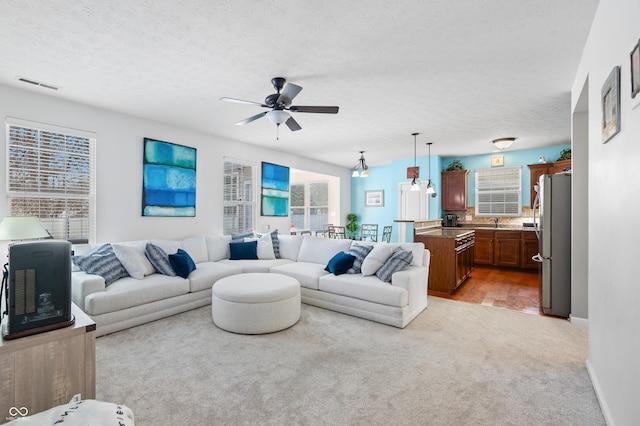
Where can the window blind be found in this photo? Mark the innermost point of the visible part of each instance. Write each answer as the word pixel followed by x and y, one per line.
pixel 239 199
pixel 499 192
pixel 51 175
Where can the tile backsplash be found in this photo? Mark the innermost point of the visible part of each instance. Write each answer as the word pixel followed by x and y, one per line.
pixel 527 216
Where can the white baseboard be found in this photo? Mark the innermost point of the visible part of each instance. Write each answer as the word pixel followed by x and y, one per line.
pixel 598 390
pixel 584 322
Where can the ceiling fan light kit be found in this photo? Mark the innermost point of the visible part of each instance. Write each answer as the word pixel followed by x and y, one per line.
pixel 280 104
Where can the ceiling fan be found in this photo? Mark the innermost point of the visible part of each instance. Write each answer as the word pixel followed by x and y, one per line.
pixel 280 103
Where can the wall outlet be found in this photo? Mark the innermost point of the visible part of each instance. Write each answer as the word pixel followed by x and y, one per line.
pixel 467 218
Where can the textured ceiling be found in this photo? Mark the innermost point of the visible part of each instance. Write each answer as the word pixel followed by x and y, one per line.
pixel 461 73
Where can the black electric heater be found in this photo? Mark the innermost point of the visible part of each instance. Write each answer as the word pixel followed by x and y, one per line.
pixel 38 288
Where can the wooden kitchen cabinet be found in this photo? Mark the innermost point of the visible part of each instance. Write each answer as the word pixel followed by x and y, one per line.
pixel 529 249
pixel 454 190
pixel 483 247
pixel 537 170
pixel 507 248
pixel 451 260
pixel 47 369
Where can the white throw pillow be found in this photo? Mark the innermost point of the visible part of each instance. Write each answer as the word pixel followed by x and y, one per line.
pixel 133 259
pixel 196 247
pixel 379 255
pixel 265 247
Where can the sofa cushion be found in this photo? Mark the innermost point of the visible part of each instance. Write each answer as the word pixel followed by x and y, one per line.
pixel 359 251
pixel 290 246
pixel 182 263
pixel 416 248
pixel 242 250
pixel 169 246
pixel 196 247
pixel 375 259
pixel 128 292
pixel 321 250
pixel 102 261
pixel 217 247
pixel 306 273
pixel 159 259
pixel 265 246
pixel 208 273
pixel 132 257
pixel 399 261
pixel 368 288
pixel 340 263
pixel 250 265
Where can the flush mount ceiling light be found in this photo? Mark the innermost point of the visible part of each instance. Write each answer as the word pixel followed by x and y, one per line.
pixel 414 172
pixel 431 188
pixel 503 143
pixel 360 169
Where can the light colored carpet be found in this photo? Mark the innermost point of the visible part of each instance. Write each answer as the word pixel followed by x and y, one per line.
pixel 457 363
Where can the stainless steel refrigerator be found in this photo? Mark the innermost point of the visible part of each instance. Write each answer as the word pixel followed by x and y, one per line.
pixel 554 234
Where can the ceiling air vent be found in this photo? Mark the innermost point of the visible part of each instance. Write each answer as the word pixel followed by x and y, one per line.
pixel 37 83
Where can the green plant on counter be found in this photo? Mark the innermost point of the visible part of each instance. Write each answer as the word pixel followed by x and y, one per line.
pixel 565 154
pixel 454 165
pixel 352 226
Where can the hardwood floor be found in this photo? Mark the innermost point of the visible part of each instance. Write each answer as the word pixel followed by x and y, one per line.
pixel 504 288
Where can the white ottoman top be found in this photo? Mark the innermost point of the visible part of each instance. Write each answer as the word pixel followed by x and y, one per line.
pixel 257 287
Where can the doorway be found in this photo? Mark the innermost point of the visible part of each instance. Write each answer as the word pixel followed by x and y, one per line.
pixel 414 205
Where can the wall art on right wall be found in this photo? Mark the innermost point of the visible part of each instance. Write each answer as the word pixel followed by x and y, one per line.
pixel 611 105
pixel 635 70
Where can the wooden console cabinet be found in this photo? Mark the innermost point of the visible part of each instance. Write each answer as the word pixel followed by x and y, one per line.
pixel 47 369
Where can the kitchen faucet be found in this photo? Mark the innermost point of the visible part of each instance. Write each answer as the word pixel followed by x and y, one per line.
pixel 495 221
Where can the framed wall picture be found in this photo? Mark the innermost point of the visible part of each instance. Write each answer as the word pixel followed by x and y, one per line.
pixel 611 105
pixel 635 70
pixel 374 198
pixel 275 190
pixel 169 179
pixel 497 161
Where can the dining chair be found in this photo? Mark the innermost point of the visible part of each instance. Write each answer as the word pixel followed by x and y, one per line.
pixel 337 232
pixel 369 232
pixel 306 232
pixel 386 234
pixel 325 230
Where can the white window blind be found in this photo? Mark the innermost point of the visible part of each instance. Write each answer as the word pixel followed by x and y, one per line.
pixel 51 175
pixel 499 192
pixel 239 200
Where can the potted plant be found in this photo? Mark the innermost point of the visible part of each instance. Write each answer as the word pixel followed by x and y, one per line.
pixel 454 165
pixel 352 226
pixel 565 154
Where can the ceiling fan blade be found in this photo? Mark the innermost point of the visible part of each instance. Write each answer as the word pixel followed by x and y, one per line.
pixel 240 101
pixel 289 92
pixel 292 124
pixel 252 118
pixel 316 109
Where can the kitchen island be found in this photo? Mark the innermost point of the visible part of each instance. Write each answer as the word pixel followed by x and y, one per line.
pixel 452 255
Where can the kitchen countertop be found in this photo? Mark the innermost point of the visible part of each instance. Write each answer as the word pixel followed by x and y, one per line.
pixel 445 232
pixel 505 227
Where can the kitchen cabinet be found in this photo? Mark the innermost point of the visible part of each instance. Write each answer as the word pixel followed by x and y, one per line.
pixel 452 255
pixel 507 248
pixel 454 190
pixel 537 170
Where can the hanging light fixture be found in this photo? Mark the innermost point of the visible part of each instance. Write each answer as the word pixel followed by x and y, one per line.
pixel 503 143
pixel 431 189
pixel 414 172
pixel 360 169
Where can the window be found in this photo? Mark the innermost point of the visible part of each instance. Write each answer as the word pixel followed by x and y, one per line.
pixel 51 175
pixel 239 199
pixel 499 192
pixel 309 205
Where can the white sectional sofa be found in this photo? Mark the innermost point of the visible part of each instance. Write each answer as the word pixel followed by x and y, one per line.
pixel 130 301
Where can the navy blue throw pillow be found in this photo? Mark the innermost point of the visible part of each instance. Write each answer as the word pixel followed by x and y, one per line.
pixel 248 250
pixel 182 263
pixel 340 263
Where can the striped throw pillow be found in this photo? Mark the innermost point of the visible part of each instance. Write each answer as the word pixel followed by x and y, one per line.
pixel 102 261
pixel 159 259
pixel 359 251
pixel 239 238
pixel 399 261
pixel 275 242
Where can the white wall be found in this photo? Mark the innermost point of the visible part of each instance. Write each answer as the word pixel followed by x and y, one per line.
pixel 614 187
pixel 119 166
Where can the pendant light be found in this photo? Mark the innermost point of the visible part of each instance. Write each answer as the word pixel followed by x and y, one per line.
pixel 360 169
pixel 414 172
pixel 431 189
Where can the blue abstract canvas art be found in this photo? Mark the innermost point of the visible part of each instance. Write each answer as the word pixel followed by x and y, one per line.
pixel 169 179
pixel 275 190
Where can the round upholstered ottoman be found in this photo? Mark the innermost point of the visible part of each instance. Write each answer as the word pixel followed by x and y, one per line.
pixel 255 303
